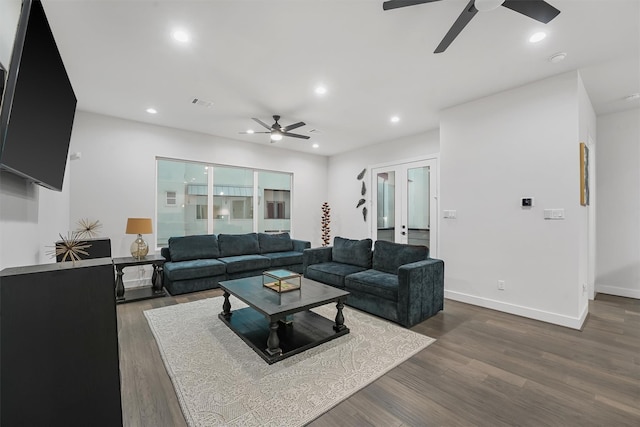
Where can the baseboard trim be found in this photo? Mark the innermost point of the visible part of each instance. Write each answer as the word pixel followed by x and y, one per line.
pixel 618 291
pixel 518 310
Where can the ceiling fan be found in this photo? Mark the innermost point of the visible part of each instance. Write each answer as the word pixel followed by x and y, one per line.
pixel 539 10
pixel 277 131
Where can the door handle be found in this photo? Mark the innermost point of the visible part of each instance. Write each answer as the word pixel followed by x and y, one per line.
pixel 404 233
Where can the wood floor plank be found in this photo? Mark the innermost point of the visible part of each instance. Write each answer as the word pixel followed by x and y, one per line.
pixel 487 369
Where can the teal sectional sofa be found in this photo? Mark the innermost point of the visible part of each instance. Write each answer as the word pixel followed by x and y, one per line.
pixel 395 281
pixel 195 263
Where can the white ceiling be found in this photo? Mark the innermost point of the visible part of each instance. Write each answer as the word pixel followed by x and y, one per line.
pixel 256 58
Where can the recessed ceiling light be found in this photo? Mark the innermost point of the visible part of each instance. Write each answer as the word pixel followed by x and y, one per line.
pixel 320 90
pixel 152 110
pixel 180 35
pixel 535 38
pixel 315 146
pixel 557 57
pixel 632 97
pixel 250 131
pixel 395 119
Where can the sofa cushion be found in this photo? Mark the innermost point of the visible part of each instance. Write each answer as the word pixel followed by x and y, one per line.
pixel 388 256
pixel 270 243
pixel 282 259
pixel 373 282
pixel 237 264
pixel 193 269
pixel 331 273
pixel 354 252
pixel 193 247
pixel 238 244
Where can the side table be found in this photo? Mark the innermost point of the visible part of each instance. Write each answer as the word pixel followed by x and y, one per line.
pixel 145 292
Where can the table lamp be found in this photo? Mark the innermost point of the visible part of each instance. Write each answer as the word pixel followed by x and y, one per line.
pixel 139 226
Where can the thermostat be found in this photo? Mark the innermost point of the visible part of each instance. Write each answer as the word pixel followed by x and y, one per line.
pixel 526 202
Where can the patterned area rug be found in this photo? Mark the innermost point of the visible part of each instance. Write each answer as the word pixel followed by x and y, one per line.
pixel 220 381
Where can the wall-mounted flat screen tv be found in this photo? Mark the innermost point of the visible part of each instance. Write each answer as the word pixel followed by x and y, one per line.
pixel 38 104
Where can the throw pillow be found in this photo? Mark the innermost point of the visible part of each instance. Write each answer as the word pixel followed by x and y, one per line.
pixel 353 252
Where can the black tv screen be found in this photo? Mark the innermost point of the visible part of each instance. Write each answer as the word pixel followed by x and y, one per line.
pixel 38 104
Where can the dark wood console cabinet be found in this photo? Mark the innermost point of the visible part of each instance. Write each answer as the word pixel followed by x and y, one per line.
pixel 59 361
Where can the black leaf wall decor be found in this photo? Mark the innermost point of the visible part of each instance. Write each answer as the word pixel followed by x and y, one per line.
pixel 363 191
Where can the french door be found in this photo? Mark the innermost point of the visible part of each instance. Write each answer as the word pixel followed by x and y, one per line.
pixel 404 206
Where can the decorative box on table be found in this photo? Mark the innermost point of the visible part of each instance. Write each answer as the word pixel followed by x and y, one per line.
pixel 281 280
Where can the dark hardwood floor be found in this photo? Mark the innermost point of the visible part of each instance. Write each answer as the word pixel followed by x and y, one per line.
pixel 486 369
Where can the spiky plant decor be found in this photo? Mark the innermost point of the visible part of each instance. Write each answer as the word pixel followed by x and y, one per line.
pixel 88 229
pixel 70 247
pixel 324 224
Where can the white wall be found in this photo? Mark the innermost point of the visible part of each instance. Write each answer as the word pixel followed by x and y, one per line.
pixel 346 220
pixel 618 209
pixel 587 243
pixel 493 151
pixel 115 177
pixel 30 216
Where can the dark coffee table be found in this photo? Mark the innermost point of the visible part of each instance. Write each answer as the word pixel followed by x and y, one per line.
pixel 279 325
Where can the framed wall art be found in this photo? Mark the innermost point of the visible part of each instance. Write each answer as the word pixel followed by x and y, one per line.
pixel 584 174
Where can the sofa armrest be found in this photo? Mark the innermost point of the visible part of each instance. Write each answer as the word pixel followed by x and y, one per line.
pixel 165 253
pixel 420 290
pixel 315 256
pixel 300 245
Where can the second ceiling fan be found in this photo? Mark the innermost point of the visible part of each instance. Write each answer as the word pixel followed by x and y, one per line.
pixel 277 131
pixel 539 10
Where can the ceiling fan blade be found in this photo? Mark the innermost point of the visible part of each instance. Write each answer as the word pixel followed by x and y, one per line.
pixel 293 126
pixel 394 4
pixel 251 133
pixel 462 21
pixel 261 123
pixel 539 10
pixel 295 135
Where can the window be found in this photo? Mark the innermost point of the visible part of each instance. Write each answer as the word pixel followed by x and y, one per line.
pixel 201 212
pixel 275 192
pixel 277 204
pixel 171 198
pixel 199 198
pixel 275 210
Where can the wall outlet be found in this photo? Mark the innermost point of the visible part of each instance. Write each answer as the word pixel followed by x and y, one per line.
pixel 501 285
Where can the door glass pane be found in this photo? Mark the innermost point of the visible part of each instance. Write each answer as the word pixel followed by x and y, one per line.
pixel 274 202
pixel 232 200
pixel 418 205
pixel 182 197
pixel 386 194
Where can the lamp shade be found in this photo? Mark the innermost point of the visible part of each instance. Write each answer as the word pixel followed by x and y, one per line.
pixel 139 226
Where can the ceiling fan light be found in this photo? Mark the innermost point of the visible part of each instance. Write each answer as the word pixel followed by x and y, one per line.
pixel 487 5
pixel 276 136
pixel 539 36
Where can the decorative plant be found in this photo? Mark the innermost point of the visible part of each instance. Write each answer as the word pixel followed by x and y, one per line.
pixel 324 223
pixel 88 229
pixel 70 247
